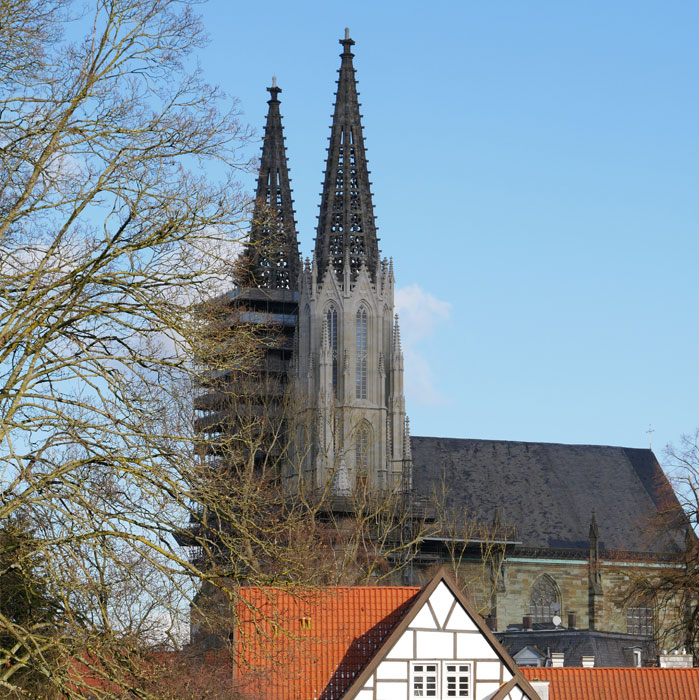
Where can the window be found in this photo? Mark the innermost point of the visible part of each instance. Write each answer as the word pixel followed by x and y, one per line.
pixel 545 600
pixel 361 332
pixel 640 620
pixel 331 318
pixel 457 680
pixel 424 679
pixel 637 658
pixel 361 447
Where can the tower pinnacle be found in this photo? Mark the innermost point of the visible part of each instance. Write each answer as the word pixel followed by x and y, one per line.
pixel 271 259
pixel 346 225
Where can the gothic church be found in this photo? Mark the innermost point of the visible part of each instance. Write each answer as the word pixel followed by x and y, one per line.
pixel 574 518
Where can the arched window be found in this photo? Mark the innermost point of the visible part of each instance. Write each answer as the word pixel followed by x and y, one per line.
pixel 545 600
pixel 361 369
pixel 361 453
pixel 331 318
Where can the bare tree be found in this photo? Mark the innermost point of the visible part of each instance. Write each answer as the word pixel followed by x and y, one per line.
pixel 112 246
pixel 109 237
pixel 671 592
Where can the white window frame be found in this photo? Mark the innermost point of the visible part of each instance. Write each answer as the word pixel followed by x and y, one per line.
pixel 441 674
pixel 423 674
pixel 468 674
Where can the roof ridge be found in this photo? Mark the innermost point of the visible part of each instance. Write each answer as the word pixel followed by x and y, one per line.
pixel 529 442
pixel 321 589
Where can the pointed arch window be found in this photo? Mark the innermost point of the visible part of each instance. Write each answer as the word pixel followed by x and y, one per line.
pixel 362 345
pixel 545 601
pixel 331 318
pixel 361 453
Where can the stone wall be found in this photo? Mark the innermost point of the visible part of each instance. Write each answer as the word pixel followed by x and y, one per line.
pixel 511 594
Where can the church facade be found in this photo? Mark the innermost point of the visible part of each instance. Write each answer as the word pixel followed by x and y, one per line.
pixel 546 535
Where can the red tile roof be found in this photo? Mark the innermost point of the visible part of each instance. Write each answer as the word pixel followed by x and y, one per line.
pixel 312 644
pixel 618 683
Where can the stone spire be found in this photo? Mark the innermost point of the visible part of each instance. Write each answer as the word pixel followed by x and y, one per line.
pixel 272 254
pixel 346 226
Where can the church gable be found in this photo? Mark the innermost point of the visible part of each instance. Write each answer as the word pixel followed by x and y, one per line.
pixel 441 649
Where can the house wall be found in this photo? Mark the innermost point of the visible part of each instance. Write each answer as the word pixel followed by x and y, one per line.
pixel 441 631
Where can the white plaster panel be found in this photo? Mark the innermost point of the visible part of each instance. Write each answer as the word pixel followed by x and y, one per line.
pixel 473 646
pixel 396 670
pixel 435 645
pixel 483 690
pixel 391 691
pixel 441 601
pixel 516 693
pixel 460 620
pixel 403 648
pixel 369 685
pixel 506 675
pixel 424 619
pixel 365 694
pixel 488 670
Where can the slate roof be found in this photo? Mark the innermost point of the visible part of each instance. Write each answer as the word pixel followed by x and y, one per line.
pixel 618 683
pixel 313 644
pixel 548 490
pixel 612 649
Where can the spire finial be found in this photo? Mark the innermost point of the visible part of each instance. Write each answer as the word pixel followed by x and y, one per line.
pixel 274 91
pixel 347 43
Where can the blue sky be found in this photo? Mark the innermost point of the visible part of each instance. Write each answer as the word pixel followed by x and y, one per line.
pixel 536 181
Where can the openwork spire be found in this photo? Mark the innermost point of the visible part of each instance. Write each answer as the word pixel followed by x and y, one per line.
pixel 272 255
pixel 346 225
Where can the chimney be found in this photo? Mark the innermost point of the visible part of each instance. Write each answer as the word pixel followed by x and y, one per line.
pixel 541 687
pixel 557 658
pixel 572 620
pixel 588 661
pixel 527 622
pixel 675 660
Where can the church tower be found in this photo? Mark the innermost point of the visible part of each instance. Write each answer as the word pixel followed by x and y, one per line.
pixel 352 428
pixel 240 409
